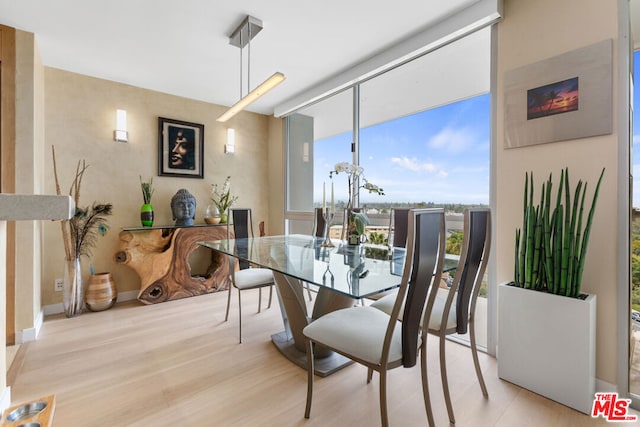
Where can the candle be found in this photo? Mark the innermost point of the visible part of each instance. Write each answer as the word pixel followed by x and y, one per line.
pixel 324 197
pixel 333 209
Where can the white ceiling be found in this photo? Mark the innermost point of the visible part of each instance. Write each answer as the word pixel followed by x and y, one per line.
pixel 182 47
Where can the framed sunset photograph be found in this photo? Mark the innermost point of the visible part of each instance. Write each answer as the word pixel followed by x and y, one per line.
pixel 568 96
pixel 555 98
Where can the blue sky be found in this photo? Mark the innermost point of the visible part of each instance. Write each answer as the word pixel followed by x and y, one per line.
pixel 440 155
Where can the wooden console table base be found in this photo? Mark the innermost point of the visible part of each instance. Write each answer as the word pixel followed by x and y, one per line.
pixel 160 256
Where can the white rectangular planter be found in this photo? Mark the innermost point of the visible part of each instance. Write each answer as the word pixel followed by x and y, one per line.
pixel 546 344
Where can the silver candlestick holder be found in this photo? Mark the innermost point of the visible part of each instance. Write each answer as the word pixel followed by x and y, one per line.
pixel 328 218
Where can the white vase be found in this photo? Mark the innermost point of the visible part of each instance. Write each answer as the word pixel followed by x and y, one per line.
pixel 546 344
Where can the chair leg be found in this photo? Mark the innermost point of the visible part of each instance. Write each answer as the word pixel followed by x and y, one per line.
pixel 259 298
pixel 384 417
pixel 476 362
pixel 226 316
pixel 425 385
pixel 445 383
pixel 270 295
pixel 239 316
pixel 369 375
pixel 310 368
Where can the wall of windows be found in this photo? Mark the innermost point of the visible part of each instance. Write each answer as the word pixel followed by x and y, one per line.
pixel 422 152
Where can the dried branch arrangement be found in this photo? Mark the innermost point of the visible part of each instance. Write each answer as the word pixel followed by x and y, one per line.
pixel 79 232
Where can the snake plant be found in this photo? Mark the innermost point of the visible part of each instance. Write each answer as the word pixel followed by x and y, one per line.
pixel 551 246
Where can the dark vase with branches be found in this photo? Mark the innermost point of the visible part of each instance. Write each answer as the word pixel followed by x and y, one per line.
pixel 79 235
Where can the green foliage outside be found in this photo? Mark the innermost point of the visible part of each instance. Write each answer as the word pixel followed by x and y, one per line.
pixel 454 243
pixel 377 239
pixel 454 247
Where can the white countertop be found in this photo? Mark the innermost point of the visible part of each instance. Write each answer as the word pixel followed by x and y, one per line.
pixel 16 207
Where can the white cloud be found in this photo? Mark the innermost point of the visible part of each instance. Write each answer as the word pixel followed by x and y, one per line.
pixel 636 138
pixel 453 140
pixel 413 164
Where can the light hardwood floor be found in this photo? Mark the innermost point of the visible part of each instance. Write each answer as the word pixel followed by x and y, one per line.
pixel 179 364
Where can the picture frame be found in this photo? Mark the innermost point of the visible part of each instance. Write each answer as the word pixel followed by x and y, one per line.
pixel 180 148
pixel 565 97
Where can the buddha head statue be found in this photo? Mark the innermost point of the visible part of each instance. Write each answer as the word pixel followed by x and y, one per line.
pixel 183 208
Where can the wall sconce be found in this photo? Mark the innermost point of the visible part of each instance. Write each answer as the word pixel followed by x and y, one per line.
pixel 121 134
pixel 305 152
pixel 229 147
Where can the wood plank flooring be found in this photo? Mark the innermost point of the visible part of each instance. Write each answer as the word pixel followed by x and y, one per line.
pixel 179 364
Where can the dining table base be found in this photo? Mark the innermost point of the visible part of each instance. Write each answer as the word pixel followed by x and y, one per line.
pixel 291 341
pixel 323 366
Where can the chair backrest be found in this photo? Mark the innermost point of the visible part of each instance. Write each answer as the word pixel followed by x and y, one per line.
pixel 242 228
pixel 474 257
pixel 422 272
pixel 318 223
pixel 398 225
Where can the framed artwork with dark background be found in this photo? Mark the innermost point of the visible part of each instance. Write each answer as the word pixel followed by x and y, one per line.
pixel 180 148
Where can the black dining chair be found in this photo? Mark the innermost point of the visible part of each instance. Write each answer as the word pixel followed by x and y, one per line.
pixel 454 308
pixel 246 277
pixel 455 312
pixel 376 339
pixel 318 223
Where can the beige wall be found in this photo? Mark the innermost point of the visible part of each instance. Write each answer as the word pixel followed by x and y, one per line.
pixel 276 177
pixel 80 119
pixel 28 161
pixel 532 31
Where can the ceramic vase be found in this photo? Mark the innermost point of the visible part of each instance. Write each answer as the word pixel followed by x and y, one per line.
pixel 146 215
pixel 101 292
pixel 72 288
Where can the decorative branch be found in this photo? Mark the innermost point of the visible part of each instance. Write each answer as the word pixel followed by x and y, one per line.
pixel 78 233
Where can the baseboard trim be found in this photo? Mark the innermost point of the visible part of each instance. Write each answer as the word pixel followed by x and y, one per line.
pixel 59 308
pixel 30 334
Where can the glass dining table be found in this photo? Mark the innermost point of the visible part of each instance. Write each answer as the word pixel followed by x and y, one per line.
pixel 342 275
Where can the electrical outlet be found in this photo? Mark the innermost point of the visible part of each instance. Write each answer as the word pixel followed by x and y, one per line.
pixel 57 284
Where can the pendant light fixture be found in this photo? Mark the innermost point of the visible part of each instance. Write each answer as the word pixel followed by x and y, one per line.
pixel 241 37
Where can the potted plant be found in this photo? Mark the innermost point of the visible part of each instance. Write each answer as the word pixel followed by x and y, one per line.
pixel 356 221
pixel 222 200
pixel 546 325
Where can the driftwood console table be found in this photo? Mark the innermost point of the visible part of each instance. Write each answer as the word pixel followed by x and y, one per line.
pixel 160 256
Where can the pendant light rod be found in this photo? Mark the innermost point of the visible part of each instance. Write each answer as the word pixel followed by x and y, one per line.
pixel 241 37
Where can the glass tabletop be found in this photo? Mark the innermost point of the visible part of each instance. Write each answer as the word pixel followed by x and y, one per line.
pixel 356 271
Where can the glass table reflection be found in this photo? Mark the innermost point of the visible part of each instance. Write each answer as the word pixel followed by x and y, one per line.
pixel 343 274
